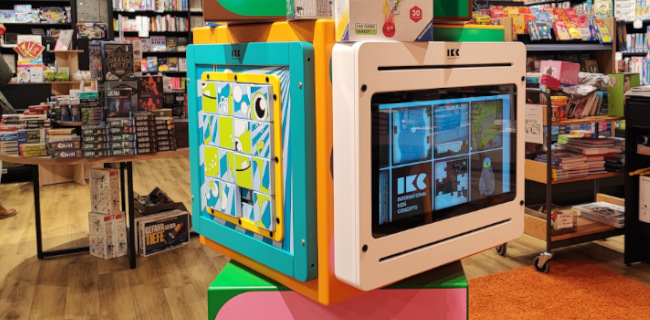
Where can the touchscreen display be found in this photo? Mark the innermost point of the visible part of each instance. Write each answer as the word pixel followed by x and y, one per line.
pixel 441 153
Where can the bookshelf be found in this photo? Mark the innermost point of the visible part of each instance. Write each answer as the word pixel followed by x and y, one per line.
pixel 191 14
pixel 542 173
pixel 637 232
pixel 36 28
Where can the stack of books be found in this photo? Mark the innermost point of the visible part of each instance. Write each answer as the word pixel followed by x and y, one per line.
pixel 603 212
pixel 8 142
pixel 10 119
pixel 597 151
pixel 567 165
pixel 28 150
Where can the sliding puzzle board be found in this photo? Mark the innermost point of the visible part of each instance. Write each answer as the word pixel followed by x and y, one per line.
pixel 240 153
pixel 252 153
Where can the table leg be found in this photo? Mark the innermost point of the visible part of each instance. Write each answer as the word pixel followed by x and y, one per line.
pixel 37 212
pixel 132 231
pixel 122 168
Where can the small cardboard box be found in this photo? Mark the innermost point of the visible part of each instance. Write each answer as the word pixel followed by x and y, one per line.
pixel 100 235
pixel 309 9
pixel 384 20
pixel 105 191
pixel 243 11
pixel 162 232
pixel 619 84
pixel 120 235
pixel 566 72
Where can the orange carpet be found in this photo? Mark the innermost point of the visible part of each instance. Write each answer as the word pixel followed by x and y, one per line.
pixel 573 289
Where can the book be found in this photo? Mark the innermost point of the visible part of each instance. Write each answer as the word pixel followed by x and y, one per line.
pixel 172 63
pixel 591 151
pixel 64 40
pixel 146 44
pixel 150 86
pixel 604 212
pixel 603 8
pixel 591 66
pixel 118 102
pixel 158 43
pixel 117 61
pixel 181 44
pixel 162 64
pixel 182 64
pixel 150 103
pixel 95 59
pixel 171 44
pixel 120 98
pixel 152 64
pixel 137 53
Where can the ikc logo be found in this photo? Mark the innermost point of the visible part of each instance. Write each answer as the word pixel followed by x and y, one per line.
pixel 411 183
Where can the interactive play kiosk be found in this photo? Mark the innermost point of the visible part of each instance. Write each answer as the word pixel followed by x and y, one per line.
pixel 426 139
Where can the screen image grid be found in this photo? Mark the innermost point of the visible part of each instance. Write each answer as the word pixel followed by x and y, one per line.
pixel 442 153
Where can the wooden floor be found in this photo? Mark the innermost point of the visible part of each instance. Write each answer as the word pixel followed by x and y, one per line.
pixel 170 285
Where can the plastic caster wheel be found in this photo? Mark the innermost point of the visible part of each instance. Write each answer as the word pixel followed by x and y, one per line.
pixel 501 250
pixel 544 269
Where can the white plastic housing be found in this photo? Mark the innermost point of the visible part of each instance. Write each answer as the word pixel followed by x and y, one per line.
pixel 356 78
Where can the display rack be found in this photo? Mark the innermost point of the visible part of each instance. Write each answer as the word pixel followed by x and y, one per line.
pixel 112 13
pixel 540 172
pixel 637 233
pixel 26 28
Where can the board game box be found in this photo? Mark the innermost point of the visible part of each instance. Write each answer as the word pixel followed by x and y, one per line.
pixel 104 190
pixel 150 86
pixel 100 235
pixel 117 61
pixel 162 232
pixel 66 154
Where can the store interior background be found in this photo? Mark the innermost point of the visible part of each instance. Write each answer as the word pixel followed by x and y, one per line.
pixel 172 285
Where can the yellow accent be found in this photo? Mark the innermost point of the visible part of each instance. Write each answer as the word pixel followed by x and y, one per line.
pixel 326 289
pixel 274 81
pixel 343 25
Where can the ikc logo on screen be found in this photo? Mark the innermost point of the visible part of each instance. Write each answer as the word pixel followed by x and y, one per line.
pixel 411 183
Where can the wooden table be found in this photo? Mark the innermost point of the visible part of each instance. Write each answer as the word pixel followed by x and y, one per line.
pixel 126 169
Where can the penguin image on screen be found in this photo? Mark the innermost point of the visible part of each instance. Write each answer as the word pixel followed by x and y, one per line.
pixel 486 183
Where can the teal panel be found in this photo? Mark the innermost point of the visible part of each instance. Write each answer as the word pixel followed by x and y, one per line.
pixel 296 255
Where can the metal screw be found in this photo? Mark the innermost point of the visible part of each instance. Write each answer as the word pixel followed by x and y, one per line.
pixel 302 242
pixel 300 85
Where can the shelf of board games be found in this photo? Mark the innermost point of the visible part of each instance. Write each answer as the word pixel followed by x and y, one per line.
pixel 605 53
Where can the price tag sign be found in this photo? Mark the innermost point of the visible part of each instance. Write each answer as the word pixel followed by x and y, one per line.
pixel 564 221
